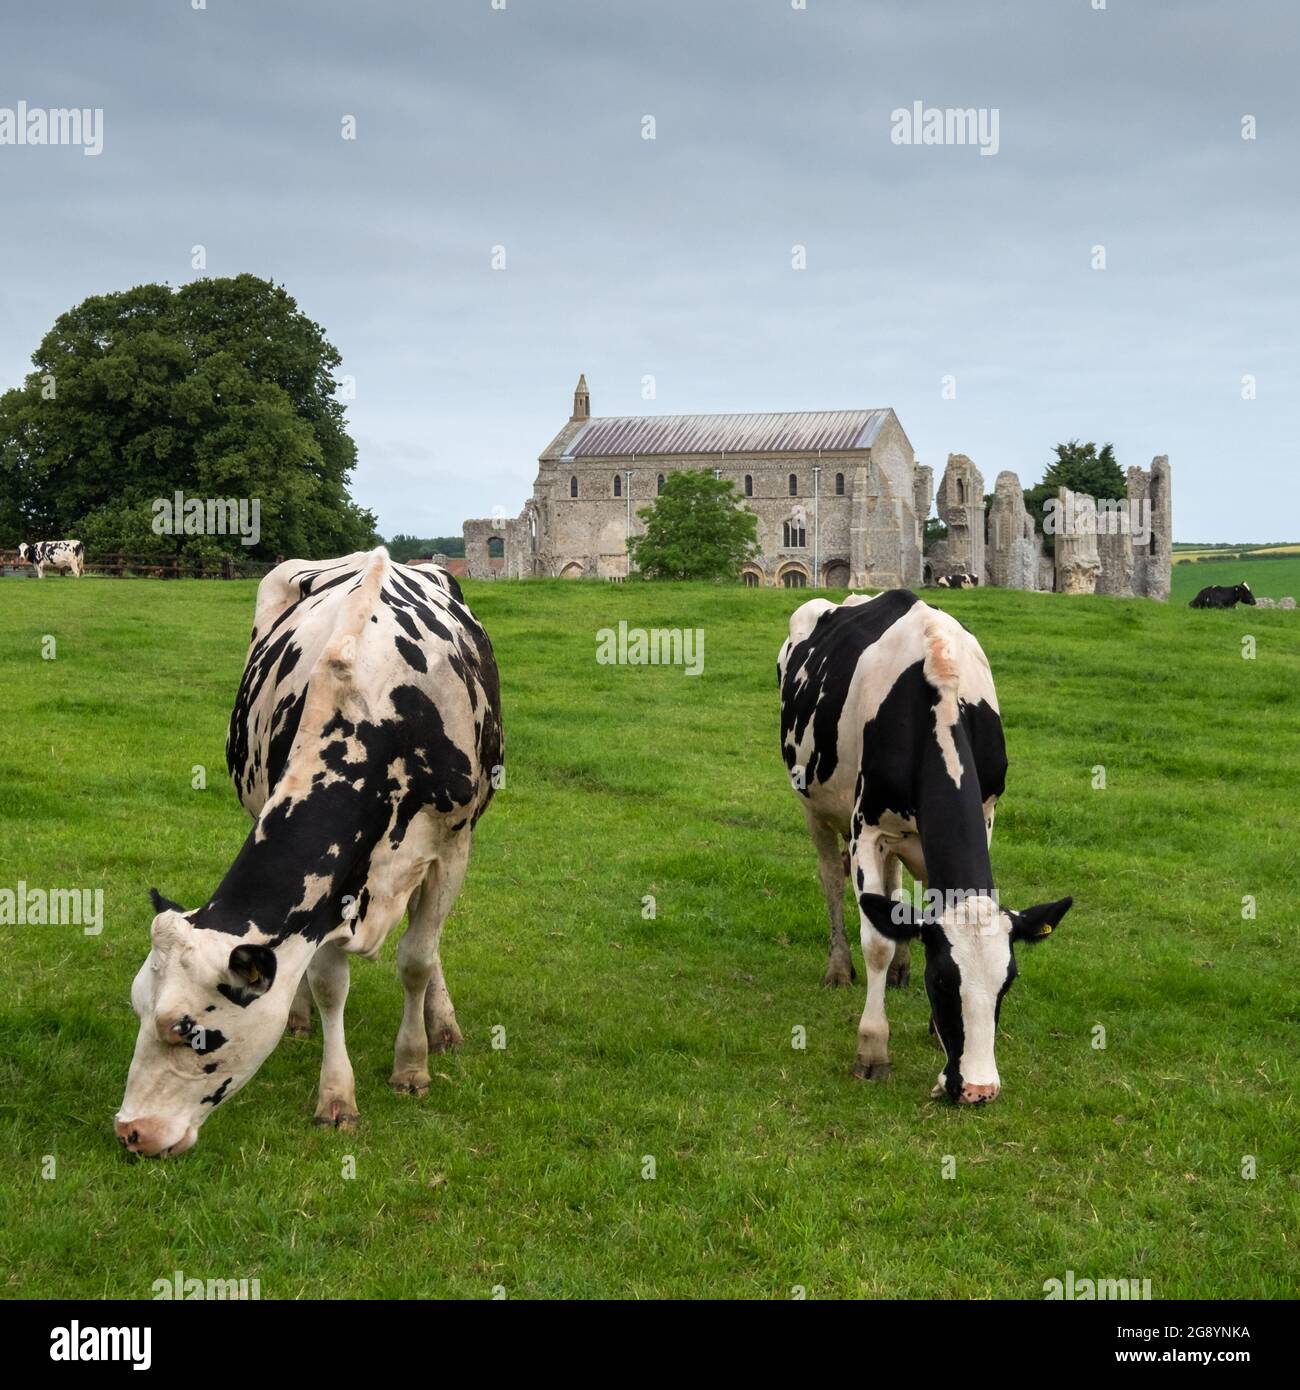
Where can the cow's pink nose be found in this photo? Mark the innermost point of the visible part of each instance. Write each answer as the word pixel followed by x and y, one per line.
pixel 140 1136
pixel 975 1093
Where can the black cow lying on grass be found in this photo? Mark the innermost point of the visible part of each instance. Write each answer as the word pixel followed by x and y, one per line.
pixel 1221 596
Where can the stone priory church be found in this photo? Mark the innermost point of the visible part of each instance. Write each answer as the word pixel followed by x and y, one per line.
pixel 840 501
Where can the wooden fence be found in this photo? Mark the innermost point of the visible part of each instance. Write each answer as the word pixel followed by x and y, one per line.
pixel 120 565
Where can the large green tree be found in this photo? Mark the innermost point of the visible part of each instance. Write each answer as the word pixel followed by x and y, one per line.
pixel 220 389
pixel 1081 468
pixel 696 529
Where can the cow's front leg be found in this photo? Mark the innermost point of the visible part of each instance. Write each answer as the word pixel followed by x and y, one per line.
pixel 299 1025
pixel 337 1102
pixel 899 973
pixel 428 1016
pixel 867 854
pixel 831 868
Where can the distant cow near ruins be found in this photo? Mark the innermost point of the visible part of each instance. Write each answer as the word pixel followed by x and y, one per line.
pixel 1223 596
pixel 957 581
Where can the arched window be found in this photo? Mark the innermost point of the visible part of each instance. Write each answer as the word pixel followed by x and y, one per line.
pixel 793 579
pixel 749 484
pixel 751 579
pixel 839 485
pixel 794 485
pixel 961 492
pixel 573 486
pixel 661 485
pixel 618 485
pixel 795 536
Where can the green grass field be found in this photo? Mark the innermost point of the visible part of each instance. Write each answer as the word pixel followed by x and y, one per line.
pixel 1271 578
pixel 628 1037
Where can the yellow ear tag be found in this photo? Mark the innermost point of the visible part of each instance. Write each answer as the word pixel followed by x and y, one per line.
pixel 1047 929
pixel 253 976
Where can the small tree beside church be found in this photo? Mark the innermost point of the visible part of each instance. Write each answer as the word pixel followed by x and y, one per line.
pixel 1081 468
pixel 696 529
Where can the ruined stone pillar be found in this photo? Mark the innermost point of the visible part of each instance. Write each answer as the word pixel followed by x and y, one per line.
pixel 1075 530
pixel 1160 547
pixel 960 504
pixel 1139 501
pixel 1014 548
pixel 1115 551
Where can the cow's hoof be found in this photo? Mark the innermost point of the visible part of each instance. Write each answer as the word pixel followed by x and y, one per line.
pixel 410 1083
pixel 445 1039
pixel 898 977
pixel 298 1026
pixel 839 974
pixel 872 1071
pixel 336 1115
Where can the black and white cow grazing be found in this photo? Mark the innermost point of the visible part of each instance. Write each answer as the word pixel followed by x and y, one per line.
pixel 67 555
pixel 891 734
pixel 1222 596
pixel 365 742
pixel 957 581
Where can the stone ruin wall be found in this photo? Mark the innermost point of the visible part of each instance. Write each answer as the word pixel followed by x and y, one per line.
pixel 960 504
pixel 1005 549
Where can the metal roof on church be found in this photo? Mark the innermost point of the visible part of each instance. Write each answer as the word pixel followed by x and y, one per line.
pixel 781 432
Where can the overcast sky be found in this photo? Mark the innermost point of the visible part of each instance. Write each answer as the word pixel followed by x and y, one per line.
pixel 522 127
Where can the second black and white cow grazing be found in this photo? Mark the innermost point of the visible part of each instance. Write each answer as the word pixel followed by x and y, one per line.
pixel 891 734
pixel 365 742
pixel 67 555
pixel 1222 596
pixel 957 581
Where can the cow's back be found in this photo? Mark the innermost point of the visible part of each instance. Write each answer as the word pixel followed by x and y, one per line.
pixel 363 640
pixel 869 668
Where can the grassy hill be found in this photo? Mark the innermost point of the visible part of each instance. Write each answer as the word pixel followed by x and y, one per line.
pixel 1274 578
pixel 630 1037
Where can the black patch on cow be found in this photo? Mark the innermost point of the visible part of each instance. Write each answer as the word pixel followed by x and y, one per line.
pixel 210 1068
pixel 943 989
pixel 161 904
pixel 411 654
pixel 219 1094
pixel 828 658
pixel 212 1038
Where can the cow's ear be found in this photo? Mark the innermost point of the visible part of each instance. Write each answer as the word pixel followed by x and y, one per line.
pixel 161 904
pixel 891 918
pixel 1034 923
pixel 253 969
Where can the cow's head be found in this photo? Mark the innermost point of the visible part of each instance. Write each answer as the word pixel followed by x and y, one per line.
pixel 24 554
pixel 970 964
pixel 1244 595
pixel 211 1007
